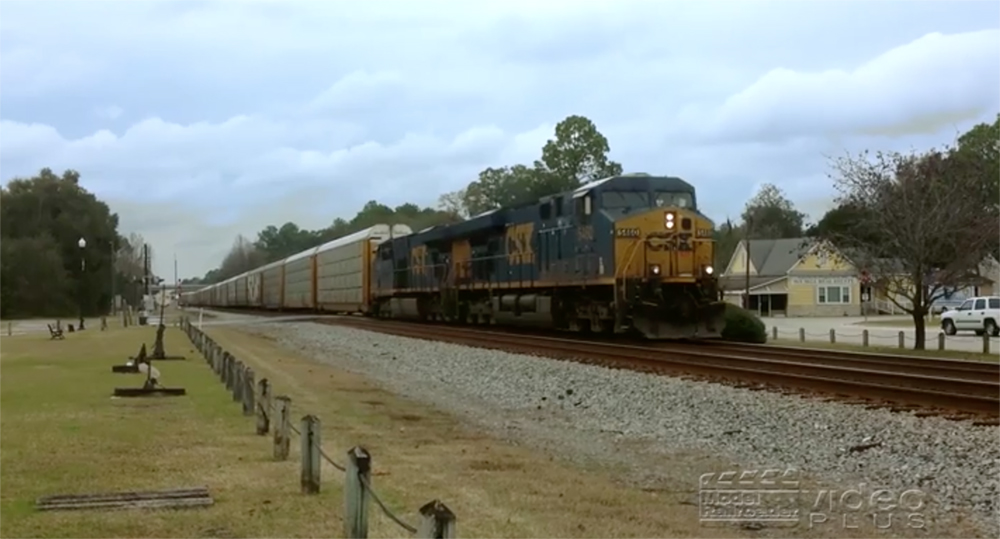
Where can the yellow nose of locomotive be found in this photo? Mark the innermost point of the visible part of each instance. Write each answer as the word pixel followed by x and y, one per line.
pixel 668 244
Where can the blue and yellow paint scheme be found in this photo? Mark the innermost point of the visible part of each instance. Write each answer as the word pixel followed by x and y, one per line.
pixel 626 253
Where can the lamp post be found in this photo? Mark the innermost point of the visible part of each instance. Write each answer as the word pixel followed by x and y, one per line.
pixel 83 268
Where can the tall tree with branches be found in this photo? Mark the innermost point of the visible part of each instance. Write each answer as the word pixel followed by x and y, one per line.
pixel 936 227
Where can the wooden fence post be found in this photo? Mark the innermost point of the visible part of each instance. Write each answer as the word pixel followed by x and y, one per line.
pixel 310 454
pixel 223 366
pixel 774 332
pixel 833 336
pixel 263 407
pixel 940 341
pixel 356 496
pixel 248 389
pixel 227 373
pixel 902 339
pixel 864 337
pixel 986 341
pixel 802 334
pixel 281 438
pixel 238 374
pixel 436 522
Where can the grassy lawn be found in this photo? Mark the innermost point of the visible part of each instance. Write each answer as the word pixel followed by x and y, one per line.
pixel 895 323
pixel 891 350
pixel 64 434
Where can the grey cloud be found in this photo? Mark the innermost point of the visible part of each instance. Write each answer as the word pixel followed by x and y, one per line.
pixel 239 115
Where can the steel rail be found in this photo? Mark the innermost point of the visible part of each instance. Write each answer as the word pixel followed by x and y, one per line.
pixel 978 396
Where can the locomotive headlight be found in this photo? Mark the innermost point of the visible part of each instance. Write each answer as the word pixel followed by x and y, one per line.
pixel 709 270
pixel 655 269
pixel 669 219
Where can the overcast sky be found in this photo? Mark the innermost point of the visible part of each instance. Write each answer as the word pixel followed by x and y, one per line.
pixel 199 120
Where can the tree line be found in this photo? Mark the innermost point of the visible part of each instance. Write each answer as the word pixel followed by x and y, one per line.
pixel 578 153
pixel 43 269
pixel 921 224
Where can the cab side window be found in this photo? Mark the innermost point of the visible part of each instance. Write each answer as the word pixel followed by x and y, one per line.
pixel 994 303
pixel 967 305
pixel 980 304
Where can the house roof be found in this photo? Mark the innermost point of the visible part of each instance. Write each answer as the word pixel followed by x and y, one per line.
pixel 776 257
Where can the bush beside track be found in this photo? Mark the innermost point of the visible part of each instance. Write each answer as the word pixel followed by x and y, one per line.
pixel 743 326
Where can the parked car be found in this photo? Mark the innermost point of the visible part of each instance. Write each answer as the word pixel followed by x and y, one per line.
pixel 942 305
pixel 980 314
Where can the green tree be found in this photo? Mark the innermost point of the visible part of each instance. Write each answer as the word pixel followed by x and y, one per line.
pixel 771 215
pixel 34 278
pixel 727 237
pixel 935 228
pixel 278 243
pixel 577 155
pixel 60 209
pixel 978 151
pixel 848 223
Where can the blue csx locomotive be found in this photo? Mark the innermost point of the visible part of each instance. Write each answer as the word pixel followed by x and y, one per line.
pixel 626 253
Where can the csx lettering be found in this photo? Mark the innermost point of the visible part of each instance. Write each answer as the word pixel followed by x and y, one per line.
pixel 681 242
pixel 704 233
pixel 627 232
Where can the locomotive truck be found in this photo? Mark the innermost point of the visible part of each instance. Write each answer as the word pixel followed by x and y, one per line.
pixel 629 253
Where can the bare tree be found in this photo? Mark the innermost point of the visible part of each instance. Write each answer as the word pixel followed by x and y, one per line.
pixel 934 227
pixel 128 259
pixel 453 203
pixel 242 257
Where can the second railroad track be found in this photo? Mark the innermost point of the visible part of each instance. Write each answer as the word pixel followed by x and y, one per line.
pixel 926 386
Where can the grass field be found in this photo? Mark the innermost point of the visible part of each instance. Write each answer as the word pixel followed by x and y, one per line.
pixel 63 434
pixel 890 350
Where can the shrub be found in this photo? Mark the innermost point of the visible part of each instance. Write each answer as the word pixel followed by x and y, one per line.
pixel 743 326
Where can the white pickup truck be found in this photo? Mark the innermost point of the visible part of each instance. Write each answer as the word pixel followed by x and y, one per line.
pixel 981 314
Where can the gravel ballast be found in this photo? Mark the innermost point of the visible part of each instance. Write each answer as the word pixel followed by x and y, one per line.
pixel 567 406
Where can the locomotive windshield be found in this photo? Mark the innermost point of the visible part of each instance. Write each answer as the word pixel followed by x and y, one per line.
pixel 672 198
pixel 628 201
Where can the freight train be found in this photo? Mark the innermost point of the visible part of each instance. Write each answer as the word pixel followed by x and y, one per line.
pixel 625 254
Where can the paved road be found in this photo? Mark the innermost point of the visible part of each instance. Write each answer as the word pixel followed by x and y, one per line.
pixel 222 318
pixel 849 329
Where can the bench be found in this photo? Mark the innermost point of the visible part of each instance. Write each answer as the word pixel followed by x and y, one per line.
pixel 54 332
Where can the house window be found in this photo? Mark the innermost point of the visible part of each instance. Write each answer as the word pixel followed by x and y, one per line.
pixel 833 295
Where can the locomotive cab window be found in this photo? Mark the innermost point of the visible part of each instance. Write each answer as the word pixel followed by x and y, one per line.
pixel 674 199
pixel 545 211
pixel 584 207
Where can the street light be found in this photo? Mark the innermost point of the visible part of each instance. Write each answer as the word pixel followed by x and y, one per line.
pixel 83 268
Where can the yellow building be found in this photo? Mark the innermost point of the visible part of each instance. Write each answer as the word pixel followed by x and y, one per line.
pixel 792 277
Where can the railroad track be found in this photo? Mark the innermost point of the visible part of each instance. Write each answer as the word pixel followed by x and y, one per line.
pixel 954 389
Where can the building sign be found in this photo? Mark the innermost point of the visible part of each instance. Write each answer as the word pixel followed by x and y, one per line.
pixel 824 281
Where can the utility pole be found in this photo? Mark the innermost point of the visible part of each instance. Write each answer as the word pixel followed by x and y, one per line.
pixel 177 282
pixel 746 247
pixel 114 303
pixel 143 314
